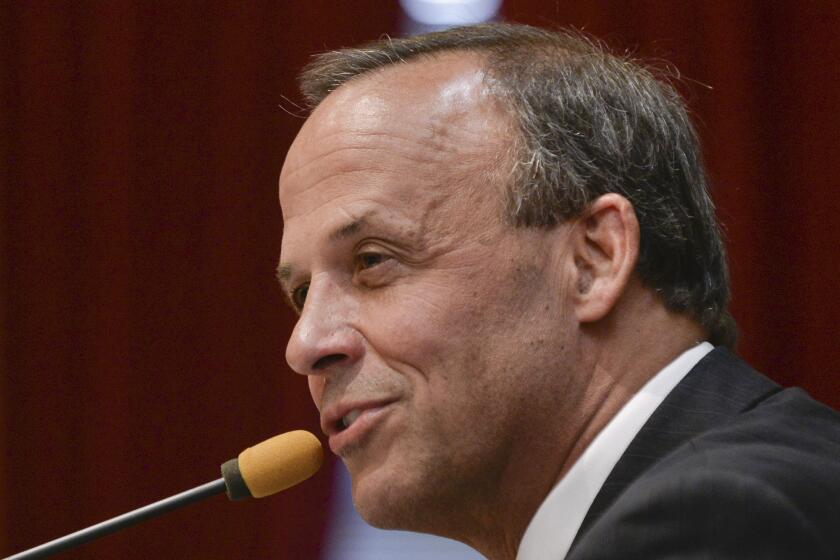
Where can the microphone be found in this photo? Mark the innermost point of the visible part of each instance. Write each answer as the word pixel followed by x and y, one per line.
pixel 262 470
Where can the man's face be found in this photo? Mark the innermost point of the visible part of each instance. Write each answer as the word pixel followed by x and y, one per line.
pixel 427 324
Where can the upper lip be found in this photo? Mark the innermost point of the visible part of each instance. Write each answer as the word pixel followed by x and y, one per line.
pixel 331 418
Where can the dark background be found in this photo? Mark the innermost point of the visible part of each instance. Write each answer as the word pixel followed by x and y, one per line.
pixel 142 331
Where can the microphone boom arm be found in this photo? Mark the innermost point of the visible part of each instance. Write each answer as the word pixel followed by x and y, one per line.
pixel 122 521
pixel 262 470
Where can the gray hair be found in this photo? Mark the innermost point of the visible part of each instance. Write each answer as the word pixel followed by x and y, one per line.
pixel 590 123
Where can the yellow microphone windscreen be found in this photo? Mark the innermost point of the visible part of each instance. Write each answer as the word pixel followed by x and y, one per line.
pixel 280 462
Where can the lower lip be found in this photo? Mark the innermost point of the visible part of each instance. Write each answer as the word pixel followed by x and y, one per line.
pixel 367 421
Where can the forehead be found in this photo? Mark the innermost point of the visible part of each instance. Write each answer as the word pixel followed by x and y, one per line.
pixel 407 139
pixel 427 111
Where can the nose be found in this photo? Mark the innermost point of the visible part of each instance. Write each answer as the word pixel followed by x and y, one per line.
pixel 323 338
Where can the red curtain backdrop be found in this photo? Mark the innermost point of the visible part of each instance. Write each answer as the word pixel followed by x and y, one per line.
pixel 143 334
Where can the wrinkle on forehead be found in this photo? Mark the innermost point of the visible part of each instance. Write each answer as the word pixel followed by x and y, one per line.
pixel 411 131
pixel 430 99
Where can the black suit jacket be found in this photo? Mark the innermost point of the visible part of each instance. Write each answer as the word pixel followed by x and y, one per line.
pixel 729 466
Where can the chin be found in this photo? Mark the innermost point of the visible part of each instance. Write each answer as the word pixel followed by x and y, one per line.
pixel 383 501
pixel 396 498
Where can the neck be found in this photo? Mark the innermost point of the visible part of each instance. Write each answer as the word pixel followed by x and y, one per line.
pixel 626 350
pixel 617 357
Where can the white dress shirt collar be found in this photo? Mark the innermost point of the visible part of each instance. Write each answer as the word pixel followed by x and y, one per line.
pixel 550 533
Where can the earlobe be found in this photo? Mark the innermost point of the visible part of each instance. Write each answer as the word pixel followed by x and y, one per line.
pixel 606 247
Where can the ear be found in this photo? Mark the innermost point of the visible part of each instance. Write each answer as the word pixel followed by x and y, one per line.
pixel 605 245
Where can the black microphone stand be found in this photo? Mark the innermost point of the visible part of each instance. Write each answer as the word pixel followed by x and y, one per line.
pixel 122 521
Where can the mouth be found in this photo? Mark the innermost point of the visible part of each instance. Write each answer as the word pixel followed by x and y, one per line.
pixel 348 423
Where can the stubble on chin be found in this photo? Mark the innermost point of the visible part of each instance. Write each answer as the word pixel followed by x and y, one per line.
pixel 426 496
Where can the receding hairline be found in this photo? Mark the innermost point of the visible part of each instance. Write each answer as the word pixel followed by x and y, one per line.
pixel 328 71
pixel 478 61
pixel 482 114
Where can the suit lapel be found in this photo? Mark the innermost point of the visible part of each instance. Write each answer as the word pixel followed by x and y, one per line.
pixel 717 389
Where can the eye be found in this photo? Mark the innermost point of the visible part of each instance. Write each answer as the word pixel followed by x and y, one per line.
pixel 369 260
pixel 299 295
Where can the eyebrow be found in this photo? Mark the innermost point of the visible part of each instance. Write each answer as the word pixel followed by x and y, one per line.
pixel 284 270
pixel 345 231
pixel 284 274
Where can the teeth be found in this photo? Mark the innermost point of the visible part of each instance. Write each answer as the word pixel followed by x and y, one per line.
pixel 350 417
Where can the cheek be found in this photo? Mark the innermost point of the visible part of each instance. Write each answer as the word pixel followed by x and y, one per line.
pixel 433 332
pixel 415 318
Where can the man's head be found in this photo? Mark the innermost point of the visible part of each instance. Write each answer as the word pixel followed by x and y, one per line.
pixel 458 282
pixel 587 123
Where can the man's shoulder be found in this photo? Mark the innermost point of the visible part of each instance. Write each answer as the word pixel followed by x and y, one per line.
pixel 756 423
pixel 789 423
pixel 787 448
pixel 786 438
pixel 763 482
